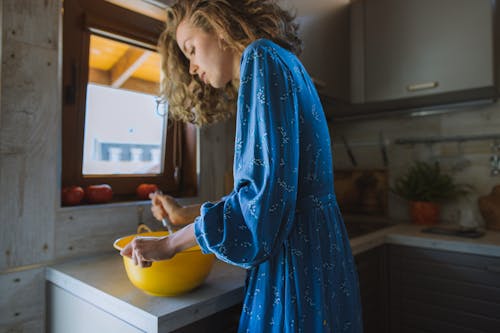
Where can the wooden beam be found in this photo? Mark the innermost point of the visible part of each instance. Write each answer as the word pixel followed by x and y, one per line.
pixel 102 77
pixel 154 9
pixel 99 76
pixel 143 86
pixel 127 65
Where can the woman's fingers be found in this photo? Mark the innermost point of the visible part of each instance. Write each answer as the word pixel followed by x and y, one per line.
pixel 157 212
pixel 158 208
pixel 144 250
pixel 135 251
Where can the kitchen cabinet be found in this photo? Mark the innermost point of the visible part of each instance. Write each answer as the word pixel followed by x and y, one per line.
pixel 442 291
pixel 372 273
pixel 421 53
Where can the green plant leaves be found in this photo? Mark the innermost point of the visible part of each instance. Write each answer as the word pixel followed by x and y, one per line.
pixel 426 182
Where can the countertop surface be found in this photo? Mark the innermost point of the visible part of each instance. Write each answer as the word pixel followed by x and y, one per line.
pixel 102 280
pixel 412 235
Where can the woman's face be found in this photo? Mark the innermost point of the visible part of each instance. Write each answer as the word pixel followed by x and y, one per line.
pixel 207 59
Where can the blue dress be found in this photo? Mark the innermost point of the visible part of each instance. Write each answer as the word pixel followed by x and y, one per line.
pixel 281 221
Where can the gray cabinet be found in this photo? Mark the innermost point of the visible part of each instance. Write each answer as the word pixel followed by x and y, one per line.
pixel 441 291
pixel 372 273
pixel 403 51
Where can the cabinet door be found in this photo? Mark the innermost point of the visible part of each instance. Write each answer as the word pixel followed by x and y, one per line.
pixel 372 272
pixel 422 47
pixel 441 291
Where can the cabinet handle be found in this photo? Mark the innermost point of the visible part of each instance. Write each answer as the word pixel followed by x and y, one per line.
pixel 493 269
pixel 422 86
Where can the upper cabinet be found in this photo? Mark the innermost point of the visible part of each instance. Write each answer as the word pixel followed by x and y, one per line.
pixel 421 53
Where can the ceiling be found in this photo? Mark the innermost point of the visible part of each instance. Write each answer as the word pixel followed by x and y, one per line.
pixel 121 65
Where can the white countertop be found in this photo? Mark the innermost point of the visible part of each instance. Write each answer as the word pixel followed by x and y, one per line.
pixel 411 235
pixel 102 280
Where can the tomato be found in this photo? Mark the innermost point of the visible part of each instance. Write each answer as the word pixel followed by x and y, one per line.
pixel 101 193
pixel 72 195
pixel 143 190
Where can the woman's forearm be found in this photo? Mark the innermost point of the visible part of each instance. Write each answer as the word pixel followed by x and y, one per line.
pixel 183 239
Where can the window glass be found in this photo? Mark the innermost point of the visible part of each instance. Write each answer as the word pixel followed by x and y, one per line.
pixel 125 129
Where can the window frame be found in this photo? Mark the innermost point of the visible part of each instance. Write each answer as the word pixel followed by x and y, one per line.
pixel 82 18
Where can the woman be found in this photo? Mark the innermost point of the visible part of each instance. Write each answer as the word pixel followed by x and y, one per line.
pixel 281 221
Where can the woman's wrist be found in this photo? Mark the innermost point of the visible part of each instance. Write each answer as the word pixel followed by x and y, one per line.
pixel 182 239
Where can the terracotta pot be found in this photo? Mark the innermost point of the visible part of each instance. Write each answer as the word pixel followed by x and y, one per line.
pixel 424 213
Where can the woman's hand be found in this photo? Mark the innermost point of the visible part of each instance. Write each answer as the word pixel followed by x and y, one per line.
pixel 144 250
pixel 165 206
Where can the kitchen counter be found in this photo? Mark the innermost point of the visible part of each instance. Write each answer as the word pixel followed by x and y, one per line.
pixel 101 282
pixel 411 235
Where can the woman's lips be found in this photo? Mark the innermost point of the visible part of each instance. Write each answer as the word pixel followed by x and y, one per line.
pixel 203 77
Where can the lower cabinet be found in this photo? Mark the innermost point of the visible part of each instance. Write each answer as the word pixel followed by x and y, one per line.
pixel 221 322
pixel 442 291
pixel 373 278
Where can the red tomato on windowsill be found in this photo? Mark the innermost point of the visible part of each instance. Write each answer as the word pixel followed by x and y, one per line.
pixel 72 195
pixel 101 193
pixel 143 190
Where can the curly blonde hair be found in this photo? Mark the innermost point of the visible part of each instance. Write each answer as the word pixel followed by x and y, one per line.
pixel 238 23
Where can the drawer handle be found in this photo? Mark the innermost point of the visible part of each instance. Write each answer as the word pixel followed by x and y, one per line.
pixel 422 86
pixel 493 269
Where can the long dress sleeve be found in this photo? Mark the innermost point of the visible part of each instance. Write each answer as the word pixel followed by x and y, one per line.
pixel 252 222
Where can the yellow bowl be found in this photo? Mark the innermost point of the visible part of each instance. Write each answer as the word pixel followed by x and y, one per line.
pixel 184 272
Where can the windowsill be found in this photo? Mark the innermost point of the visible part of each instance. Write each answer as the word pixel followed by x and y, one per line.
pixel 120 204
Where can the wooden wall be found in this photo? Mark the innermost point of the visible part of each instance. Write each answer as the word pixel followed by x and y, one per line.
pixel 34 230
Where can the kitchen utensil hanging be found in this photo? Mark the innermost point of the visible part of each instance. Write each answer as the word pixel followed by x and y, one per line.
pixel 349 152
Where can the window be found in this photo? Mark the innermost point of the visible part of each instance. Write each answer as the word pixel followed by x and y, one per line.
pixel 114 129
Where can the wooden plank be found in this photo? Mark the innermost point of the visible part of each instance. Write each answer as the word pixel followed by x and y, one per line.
pixel 32 22
pixel 123 69
pixel 99 76
pixel 92 229
pixel 29 174
pixel 143 7
pixel 143 86
pixel 23 300
pixel 215 144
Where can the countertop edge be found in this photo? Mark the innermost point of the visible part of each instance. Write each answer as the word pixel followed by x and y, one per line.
pixel 441 243
pixel 411 235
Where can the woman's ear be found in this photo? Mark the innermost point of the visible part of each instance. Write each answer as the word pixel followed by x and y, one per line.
pixel 223 43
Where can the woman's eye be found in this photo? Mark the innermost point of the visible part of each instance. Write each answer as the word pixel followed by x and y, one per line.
pixel 192 51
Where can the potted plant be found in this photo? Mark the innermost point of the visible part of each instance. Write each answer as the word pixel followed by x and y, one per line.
pixel 426 187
